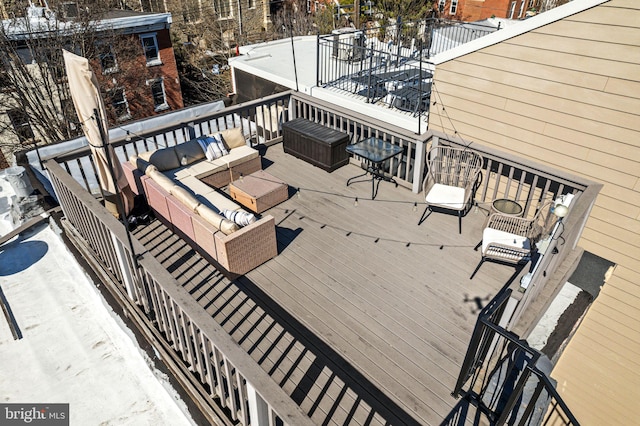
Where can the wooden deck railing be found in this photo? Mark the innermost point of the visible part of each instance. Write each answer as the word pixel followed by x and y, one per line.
pixel 231 376
pixel 204 347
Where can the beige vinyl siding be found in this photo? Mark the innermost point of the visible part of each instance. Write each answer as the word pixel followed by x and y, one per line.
pixel 568 94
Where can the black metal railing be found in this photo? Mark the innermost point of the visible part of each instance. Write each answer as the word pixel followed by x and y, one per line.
pixel 505 378
pixel 390 64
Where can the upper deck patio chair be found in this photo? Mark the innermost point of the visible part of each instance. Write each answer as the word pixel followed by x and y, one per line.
pixel 452 177
pixel 512 239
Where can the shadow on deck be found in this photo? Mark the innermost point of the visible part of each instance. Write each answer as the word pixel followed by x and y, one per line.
pixel 364 316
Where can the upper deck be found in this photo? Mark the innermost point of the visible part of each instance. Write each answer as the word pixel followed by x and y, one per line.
pixel 364 315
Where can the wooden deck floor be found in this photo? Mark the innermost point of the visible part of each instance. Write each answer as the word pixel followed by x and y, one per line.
pixel 364 317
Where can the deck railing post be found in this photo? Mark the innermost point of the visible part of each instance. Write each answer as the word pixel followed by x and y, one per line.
pixel 419 165
pixel 126 273
pixel 191 129
pixel 258 408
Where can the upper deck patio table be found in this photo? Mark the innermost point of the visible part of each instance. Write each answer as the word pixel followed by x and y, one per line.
pixel 376 151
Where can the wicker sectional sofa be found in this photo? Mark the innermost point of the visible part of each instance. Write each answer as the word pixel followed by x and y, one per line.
pixel 180 185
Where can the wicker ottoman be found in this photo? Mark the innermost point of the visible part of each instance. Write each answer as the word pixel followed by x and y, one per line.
pixel 259 191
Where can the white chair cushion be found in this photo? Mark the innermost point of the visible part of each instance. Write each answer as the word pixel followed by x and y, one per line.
pixel 490 235
pixel 445 195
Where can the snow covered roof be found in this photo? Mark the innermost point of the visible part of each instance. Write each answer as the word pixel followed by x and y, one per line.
pixel 73 348
pixel 41 22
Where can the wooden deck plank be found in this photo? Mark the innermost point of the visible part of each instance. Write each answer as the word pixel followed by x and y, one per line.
pixel 357 331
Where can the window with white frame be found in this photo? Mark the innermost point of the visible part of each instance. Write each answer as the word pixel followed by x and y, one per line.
pixel 158 94
pixel 152 6
pixel 522 4
pixel 454 7
pixel 151 50
pixel 252 4
pixel 107 59
pixel 512 9
pixel 20 122
pixel 119 103
pixel 223 8
pixel 441 5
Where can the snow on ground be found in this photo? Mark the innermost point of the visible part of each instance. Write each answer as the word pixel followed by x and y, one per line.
pixel 74 348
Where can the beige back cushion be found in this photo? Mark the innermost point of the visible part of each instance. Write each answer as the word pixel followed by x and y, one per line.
pixel 185 197
pixel 233 138
pixel 166 183
pixel 163 159
pixel 191 151
pixel 140 164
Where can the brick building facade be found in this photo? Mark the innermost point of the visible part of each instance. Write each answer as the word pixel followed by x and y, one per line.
pixel 131 54
pixel 476 10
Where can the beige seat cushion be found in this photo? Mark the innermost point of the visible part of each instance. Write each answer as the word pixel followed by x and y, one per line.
pixel 177 174
pixel 191 151
pixel 218 202
pixel 205 168
pixel 195 186
pixel 233 138
pixel 239 155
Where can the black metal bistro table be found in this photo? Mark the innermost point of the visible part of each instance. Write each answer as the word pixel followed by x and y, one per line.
pixel 375 151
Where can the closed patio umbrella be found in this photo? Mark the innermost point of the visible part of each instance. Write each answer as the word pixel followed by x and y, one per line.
pixel 89 106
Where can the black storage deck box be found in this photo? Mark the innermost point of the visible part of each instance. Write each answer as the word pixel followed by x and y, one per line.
pixel 316 144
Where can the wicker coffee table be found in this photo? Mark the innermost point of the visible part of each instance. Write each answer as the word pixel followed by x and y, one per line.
pixel 259 191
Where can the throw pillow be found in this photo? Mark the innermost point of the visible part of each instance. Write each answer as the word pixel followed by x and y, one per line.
pixel 204 142
pixel 220 143
pixel 213 147
pixel 240 217
pixel 233 137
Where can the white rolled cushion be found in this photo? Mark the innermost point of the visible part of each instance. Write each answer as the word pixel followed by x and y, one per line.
pixel 490 235
pixel 219 222
pixel 445 195
pixel 240 217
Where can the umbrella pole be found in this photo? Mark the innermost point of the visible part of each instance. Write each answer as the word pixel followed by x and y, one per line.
pixel 123 215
